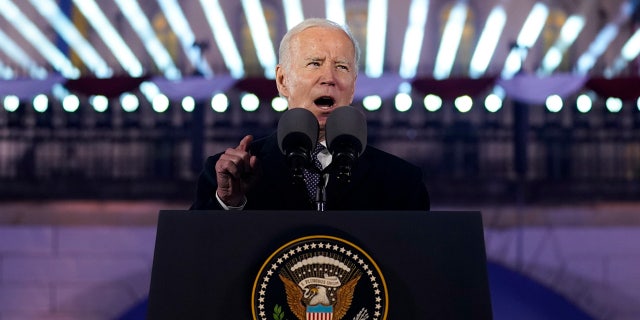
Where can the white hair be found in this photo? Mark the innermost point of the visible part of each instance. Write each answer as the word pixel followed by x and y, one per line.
pixel 284 54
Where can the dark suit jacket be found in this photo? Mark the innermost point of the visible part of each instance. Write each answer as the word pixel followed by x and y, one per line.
pixel 379 181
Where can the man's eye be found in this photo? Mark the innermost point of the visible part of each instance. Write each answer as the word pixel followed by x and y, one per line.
pixel 342 67
pixel 314 63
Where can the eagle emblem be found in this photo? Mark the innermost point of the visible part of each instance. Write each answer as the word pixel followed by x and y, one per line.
pixel 319 298
pixel 320 278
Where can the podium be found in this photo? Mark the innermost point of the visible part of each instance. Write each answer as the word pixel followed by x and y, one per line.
pixel 422 265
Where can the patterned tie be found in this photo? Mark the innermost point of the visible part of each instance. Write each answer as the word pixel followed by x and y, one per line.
pixel 312 178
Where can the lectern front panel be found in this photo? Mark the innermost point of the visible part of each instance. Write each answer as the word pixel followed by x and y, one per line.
pixel 206 262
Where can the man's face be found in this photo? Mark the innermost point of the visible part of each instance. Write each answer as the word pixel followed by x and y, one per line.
pixel 321 74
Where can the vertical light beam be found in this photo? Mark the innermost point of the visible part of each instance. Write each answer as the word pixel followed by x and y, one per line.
pixel 588 59
pixel 630 51
pixel 488 42
pixel 5 72
pixel 14 52
pixel 413 38
pixel 261 37
pixel 141 25
pixel 110 36
pixel 450 41
pixel 335 11
pixel 292 12
pixel 178 22
pixel 526 39
pixel 568 34
pixel 376 38
pixel 61 23
pixel 222 34
pixel 31 32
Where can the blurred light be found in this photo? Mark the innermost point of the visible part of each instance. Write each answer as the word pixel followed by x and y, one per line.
pixel 178 22
pixel 5 72
pixel 335 11
pixel 279 104
pixel 71 103
pixel 41 42
pixel 432 102
pixel 15 52
pixel 150 91
pixel 405 87
pixel 526 39
pixel 41 103
pixel 450 41
pixel 372 103
pixel 554 103
pixel 110 36
pixel 66 29
pixel 630 51
pixel 224 38
pixel 463 103
pixel 413 38
pixel 100 103
pixel 141 25
pixel 500 92
pixel 513 63
pixel 249 102
pixel 292 12
pixel 376 37
pixel 614 105
pixel 533 25
pixel 59 91
pixel 261 37
pixel 11 103
pixel 597 48
pixel 584 103
pixel 568 34
pixel 488 42
pixel 588 59
pixel 129 102
pixel 403 102
pixel 631 48
pixel 493 103
pixel 188 104
pixel 160 103
pixel 638 104
pixel 219 102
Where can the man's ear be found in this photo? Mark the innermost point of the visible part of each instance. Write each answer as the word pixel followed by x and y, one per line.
pixel 281 82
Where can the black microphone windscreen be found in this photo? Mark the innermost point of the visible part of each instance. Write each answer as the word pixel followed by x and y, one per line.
pixel 297 128
pixel 347 123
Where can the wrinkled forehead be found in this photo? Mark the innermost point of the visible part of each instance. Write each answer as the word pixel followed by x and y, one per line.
pixel 323 39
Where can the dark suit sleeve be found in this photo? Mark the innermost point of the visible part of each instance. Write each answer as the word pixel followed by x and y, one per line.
pixel 206 187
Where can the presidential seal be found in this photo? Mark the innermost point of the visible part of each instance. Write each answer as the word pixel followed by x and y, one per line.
pixel 319 278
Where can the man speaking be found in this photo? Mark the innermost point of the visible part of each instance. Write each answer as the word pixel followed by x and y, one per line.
pixel 317 74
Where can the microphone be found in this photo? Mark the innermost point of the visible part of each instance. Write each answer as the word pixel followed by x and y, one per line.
pixel 346 133
pixel 297 133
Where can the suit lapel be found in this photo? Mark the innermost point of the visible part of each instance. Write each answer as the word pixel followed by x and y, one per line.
pixel 278 177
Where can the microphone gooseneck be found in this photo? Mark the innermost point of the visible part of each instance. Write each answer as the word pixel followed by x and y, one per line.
pixel 297 134
pixel 346 133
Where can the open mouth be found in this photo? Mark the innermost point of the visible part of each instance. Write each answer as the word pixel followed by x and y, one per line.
pixel 324 102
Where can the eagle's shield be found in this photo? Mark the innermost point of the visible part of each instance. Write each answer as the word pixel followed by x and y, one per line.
pixel 319 312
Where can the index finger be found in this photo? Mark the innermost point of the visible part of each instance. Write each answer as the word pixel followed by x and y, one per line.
pixel 244 143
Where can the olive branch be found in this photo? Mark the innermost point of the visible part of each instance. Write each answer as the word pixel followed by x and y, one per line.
pixel 278 314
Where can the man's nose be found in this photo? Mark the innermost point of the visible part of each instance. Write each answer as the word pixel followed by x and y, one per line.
pixel 328 75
